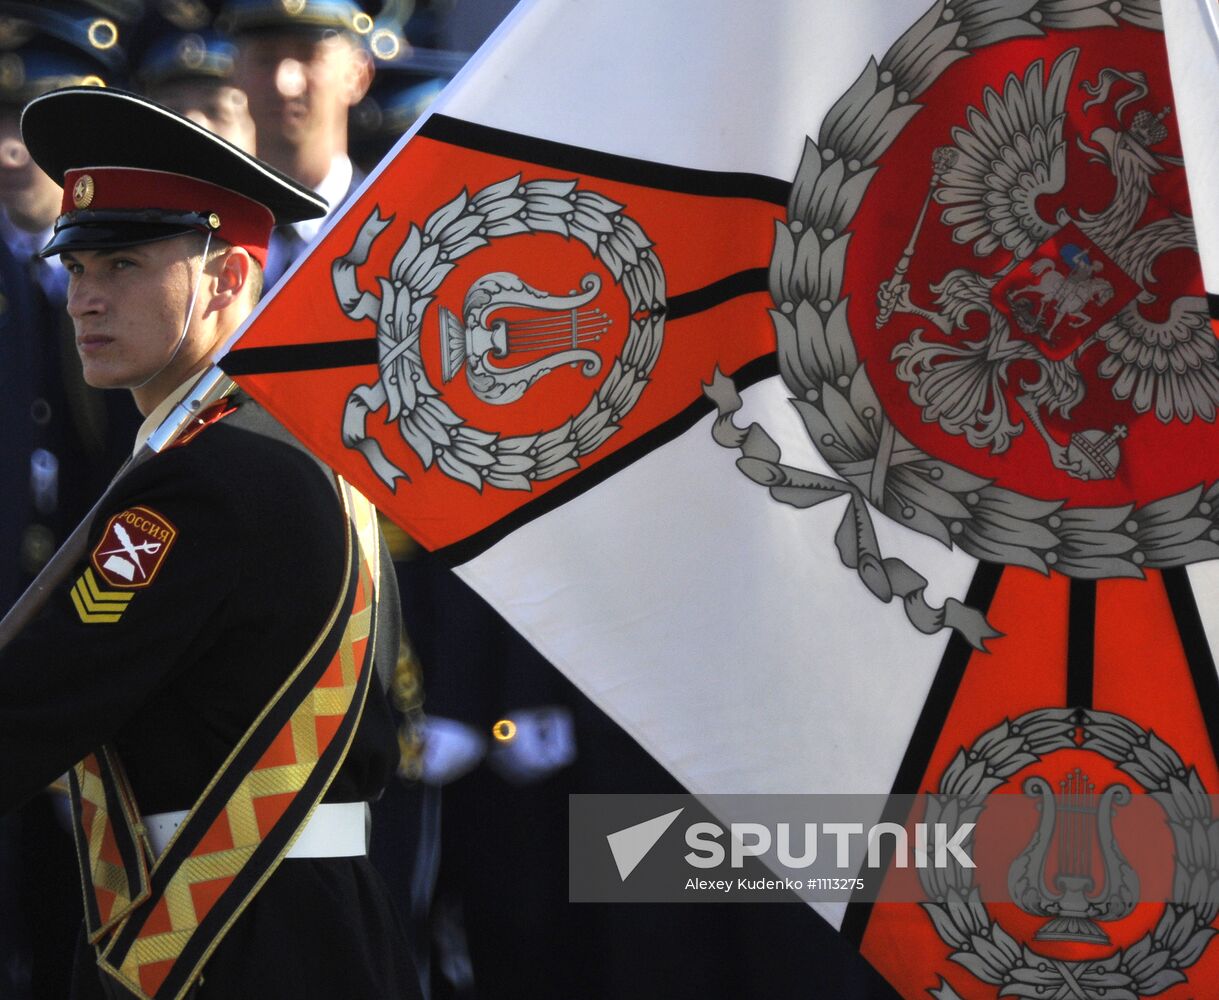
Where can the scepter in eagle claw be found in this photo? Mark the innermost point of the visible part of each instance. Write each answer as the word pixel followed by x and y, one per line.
pixel 943 159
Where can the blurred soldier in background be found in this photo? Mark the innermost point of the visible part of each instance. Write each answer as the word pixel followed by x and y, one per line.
pixel 62 443
pixel 304 66
pixel 498 744
pixel 180 60
pixel 18 360
pixel 79 436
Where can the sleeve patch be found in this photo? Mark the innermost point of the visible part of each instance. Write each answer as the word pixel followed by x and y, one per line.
pixel 133 548
pixel 96 606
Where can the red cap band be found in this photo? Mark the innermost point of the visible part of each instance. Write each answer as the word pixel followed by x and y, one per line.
pixel 243 222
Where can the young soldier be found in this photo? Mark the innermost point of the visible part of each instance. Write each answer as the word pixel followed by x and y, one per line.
pixel 207 673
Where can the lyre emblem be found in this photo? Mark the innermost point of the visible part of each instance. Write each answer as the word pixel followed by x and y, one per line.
pixel 556 327
pixel 1084 825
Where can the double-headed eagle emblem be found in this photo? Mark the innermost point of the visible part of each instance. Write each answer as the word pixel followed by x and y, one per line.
pixel 1049 280
pixel 1073 284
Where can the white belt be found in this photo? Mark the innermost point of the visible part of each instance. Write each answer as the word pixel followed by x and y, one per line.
pixel 335 830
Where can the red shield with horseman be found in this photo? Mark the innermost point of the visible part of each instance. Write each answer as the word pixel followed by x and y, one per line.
pixel 1062 294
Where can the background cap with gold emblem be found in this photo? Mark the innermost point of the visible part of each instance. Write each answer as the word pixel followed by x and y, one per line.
pixel 185 55
pixel 240 16
pixel 44 46
pixel 379 27
pixel 177 178
pixel 178 40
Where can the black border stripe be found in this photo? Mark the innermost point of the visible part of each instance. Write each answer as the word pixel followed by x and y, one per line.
pixel 280 358
pixel 1212 302
pixel 300 357
pixel 1081 643
pixel 1197 650
pixel 608 166
pixel 717 293
pixel 475 545
pixel 927 732
pixel 124 835
pixel 93 916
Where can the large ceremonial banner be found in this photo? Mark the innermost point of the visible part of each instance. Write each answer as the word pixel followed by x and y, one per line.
pixel 830 391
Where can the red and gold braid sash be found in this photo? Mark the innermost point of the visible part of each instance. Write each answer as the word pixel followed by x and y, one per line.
pixel 155 922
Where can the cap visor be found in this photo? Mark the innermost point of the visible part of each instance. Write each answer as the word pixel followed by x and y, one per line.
pixel 102 236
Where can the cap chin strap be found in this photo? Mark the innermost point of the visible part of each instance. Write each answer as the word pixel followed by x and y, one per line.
pixel 190 312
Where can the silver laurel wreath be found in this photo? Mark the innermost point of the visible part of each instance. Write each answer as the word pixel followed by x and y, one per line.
pixel 432 429
pixel 1150 965
pixel 835 398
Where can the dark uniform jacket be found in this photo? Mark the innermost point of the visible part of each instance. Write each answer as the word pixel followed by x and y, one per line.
pixel 253 571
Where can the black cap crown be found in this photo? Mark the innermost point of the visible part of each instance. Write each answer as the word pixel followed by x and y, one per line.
pixel 87 128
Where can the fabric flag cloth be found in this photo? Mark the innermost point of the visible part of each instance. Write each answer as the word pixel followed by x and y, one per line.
pixel 829 390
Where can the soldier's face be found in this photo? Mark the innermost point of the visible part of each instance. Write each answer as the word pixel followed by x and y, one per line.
pixel 128 307
pixel 300 86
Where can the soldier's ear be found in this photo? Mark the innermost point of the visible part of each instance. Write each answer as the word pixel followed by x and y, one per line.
pixel 233 273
